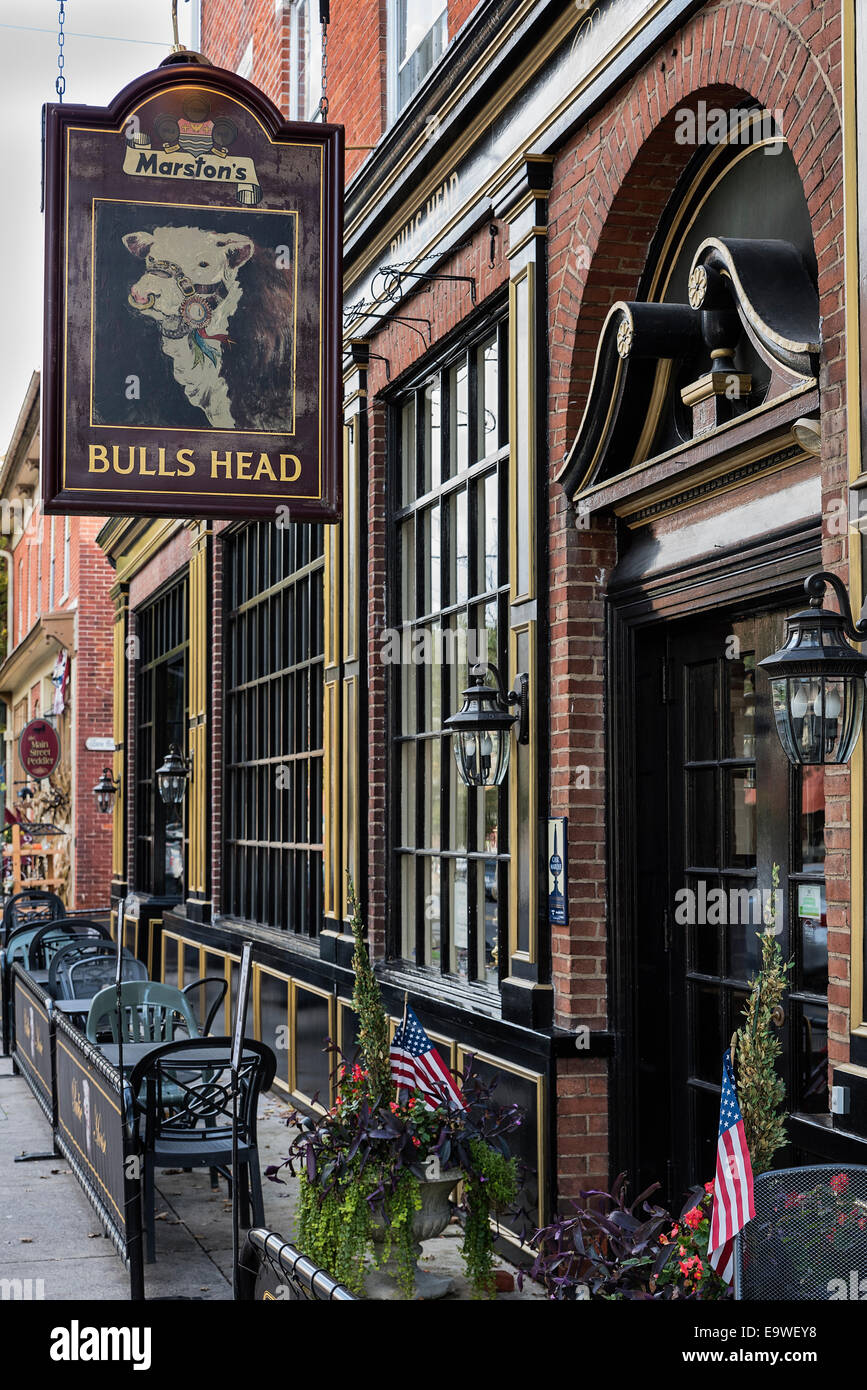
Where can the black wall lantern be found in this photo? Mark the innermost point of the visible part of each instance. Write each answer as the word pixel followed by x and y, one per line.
pixel 482 729
pixel 172 776
pixel 105 791
pixel 817 679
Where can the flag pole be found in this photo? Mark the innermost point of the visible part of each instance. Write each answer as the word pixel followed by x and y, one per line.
pixel 405 1006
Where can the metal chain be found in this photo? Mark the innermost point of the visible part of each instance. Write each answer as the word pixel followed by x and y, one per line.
pixel 60 84
pixel 323 100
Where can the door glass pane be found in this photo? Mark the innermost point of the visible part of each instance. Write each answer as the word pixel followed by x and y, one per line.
pixel 812 1023
pixel 810 915
pixel 741 677
pixel 702 817
pixel 812 846
pixel 702 706
pixel 707 1033
pixel 704 1107
pixel 699 912
pixel 741 813
pixel 745 923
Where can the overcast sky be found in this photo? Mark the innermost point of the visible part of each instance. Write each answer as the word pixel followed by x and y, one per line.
pixel 108 43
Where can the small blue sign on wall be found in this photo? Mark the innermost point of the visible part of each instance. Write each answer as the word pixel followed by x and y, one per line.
pixel 558 905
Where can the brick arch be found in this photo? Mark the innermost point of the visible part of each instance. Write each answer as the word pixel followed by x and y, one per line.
pixel 615 180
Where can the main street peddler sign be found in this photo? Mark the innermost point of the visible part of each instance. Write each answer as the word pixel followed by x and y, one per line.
pixel 193 304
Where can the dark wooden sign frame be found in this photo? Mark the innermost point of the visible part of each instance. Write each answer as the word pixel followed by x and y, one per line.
pixel 212 392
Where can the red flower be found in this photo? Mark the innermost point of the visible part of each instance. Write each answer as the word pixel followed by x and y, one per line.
pixel 839 1183
pixel 393 1107
pixel 417 1142
pixel 693 1219
pixel 708 1187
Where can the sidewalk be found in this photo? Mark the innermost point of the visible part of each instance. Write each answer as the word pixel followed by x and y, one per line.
pixel 50 1233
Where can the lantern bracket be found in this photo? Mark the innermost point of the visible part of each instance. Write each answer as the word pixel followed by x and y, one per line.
pixel 520 696
pixel 814 587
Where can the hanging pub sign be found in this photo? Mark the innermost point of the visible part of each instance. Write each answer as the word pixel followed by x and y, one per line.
pixel 39 749
pixel 193 332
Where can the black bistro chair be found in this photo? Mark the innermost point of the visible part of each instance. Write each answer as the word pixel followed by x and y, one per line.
pixel 206 996
pixel 30 908
pixel 808 1238
pixel 194 1130
pixel 55 935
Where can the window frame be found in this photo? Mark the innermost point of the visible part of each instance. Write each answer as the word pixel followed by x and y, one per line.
pixel 151 667
pixel 394 66
pixel 301 17
pixel 260 872
pixel 465 480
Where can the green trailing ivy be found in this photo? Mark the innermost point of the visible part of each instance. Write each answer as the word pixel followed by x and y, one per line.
pixel 761 1091
pixel 491 1187
pixel 399 1211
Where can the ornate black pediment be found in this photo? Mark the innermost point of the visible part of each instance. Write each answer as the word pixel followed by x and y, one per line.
pixel 668 376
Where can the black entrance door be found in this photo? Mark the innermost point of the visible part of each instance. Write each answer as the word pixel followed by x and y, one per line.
pixel 717 806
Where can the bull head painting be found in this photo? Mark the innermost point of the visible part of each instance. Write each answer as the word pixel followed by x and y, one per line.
pixel 191 289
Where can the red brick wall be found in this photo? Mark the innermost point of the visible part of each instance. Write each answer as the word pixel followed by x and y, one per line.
pixel 91 578
pixel 610 185
pixel 89 693
pixel 356 60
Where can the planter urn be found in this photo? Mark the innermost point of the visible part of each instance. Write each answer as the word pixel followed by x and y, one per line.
pixel 430 1221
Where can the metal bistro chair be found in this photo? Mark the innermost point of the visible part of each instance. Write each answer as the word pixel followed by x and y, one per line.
pixel 31 908
pixel 205 1011
pixel 808 1238
pixel 51 938
pixel 77 973
pixel 196 1132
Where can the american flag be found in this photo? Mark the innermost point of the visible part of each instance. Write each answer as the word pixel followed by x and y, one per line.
pixel 416 1065
pixel 733 1204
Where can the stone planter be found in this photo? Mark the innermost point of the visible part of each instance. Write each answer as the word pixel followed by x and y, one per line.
pixel 430 1221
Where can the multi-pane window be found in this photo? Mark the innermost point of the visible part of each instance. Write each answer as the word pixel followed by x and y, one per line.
pixel 418 34
pixel 274 667
pixel 449 604
pixel 161 720
pixel 305 83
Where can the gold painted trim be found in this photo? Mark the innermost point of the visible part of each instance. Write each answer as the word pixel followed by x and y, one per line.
pixel 530 868
pixel 654 409
pixel 145 547
pixel 541 1124
pixel 853 430
pixel 625 509
pixel 802 389
pixel 525 431
pixel 327 995
pixel 258 972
